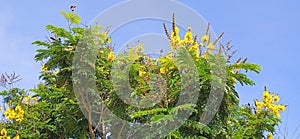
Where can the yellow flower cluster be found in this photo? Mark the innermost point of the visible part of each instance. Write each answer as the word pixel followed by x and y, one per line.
pixel 190 41
pixel 3 135
pixel 175 39
pixel 269 103
pixel 14 114
pixel 188 37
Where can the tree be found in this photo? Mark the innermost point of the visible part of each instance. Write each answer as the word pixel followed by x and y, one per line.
pixel 53 111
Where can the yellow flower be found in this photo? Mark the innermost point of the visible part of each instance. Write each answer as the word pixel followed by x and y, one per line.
pixel 269 136
pixel 196 49
pixel 27 100
pixel 19 119
pixel 175 39
pixel 276 98
pixel 10 114
pixel 44 68
pixel 176 31
pixel 277 114
pixel 258 104
pixel 210 46
pixel 34 99
pixel 110 56
pixel 169 56
pixel 204 38
pixel 281 107
pixel 3 132
pixel 268 105
pixel 18 108
pixel 17 137
pixel 17 113
pixel 163 70
pixel 175 43
pixel 20 113
pixel 273 108
pixel 188 37
pixel 142 73
pixel 267 98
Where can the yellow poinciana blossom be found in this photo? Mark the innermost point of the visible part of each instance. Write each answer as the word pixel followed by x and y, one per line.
pixel 195 48
pixel 110 56
pixel 18 108
pixel 169 56
pixel 276 113
pixel 20 113
pixel 27 100
pixel 276 98
pixel 175 39
pixel 3 132
pixel 44 68
pixel 141 73
pixel 204 38
pixel 3 135
pixel 281 107
pixel 269 136
pixel 258 105
pixel 163 70
pixel 267 98
pixel 17 113
pixel 10 113
pixel 269 103
pixel 188 37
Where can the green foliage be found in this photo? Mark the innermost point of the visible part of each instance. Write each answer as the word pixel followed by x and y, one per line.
pixel 72 17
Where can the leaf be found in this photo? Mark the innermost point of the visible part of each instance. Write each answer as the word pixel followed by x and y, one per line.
pixel 71 16
pixel 148 112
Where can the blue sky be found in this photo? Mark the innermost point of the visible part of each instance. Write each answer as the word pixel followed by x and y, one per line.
pixel 267 32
